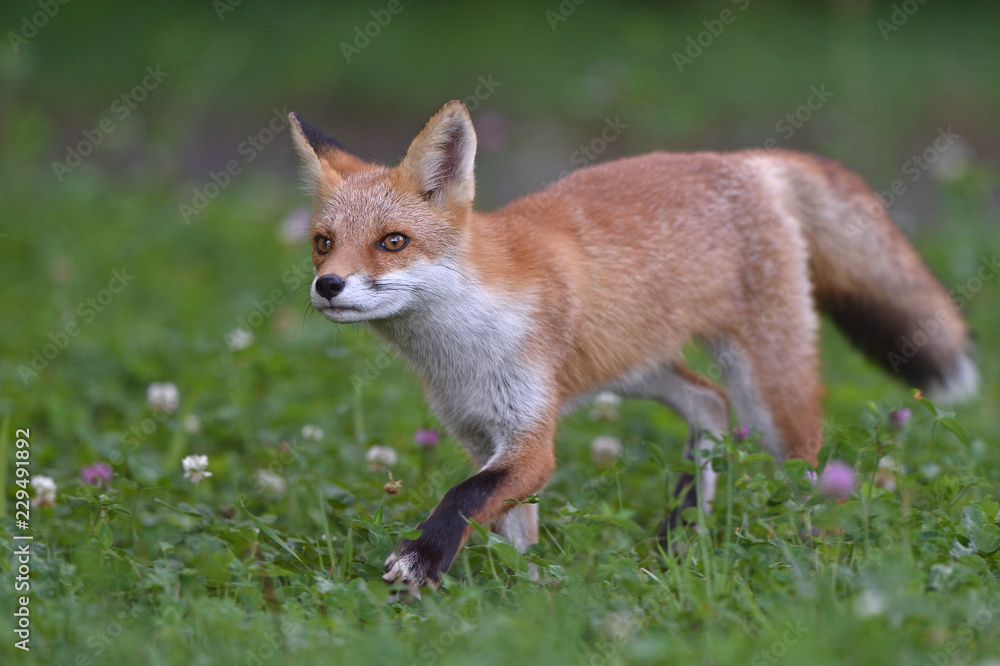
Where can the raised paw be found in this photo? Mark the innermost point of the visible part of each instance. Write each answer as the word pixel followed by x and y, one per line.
pixel 411 566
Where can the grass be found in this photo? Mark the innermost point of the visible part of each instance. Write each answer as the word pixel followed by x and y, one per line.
pixel 154 569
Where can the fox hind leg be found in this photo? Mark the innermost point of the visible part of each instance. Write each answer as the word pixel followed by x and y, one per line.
pixel 773 381
pixel 519 526
pixel 705 408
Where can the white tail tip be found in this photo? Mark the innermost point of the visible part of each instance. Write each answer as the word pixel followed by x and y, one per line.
pixel 959 385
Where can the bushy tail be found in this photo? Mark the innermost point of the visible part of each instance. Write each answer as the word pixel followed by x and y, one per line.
pixel 874 284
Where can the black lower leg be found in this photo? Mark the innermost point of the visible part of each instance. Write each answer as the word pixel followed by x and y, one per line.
pixel 685 492
pixel 446 529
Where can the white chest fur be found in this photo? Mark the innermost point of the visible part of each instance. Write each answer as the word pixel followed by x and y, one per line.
pixel 467 345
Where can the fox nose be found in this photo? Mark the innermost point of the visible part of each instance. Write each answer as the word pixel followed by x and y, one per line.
pixel 329 286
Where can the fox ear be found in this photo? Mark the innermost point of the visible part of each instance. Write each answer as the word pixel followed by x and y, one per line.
pixel 324 160
pixel 441 160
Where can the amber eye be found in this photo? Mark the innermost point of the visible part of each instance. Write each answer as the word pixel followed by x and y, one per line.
pixel 322 244
pixel 394 242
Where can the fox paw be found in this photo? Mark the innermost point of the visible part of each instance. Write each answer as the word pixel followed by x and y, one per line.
pixel 410 566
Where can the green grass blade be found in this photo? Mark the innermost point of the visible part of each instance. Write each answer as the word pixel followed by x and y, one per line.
pixel 266 529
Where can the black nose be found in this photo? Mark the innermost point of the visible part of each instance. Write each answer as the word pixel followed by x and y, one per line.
pixel 329 286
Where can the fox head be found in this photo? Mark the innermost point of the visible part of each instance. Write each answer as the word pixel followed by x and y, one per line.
pixel 385 238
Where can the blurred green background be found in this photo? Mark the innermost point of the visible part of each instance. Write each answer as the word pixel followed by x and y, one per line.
pixel 556 74
pixel 149 139
pixel 557 82
pixel 119 122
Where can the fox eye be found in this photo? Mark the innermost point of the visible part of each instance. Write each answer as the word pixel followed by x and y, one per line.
pixel 322 244
pixel 394 242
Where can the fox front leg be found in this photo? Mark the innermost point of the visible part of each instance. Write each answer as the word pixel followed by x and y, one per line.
pixel 523 469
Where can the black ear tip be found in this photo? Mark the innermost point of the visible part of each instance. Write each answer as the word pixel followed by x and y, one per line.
pixel 316 139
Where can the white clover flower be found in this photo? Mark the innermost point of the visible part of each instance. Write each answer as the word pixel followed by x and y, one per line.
pixel 885 476
pixel 269 483
pixel 238 339
pixel 929 471
pixel 869 604
pixel 381 456
pixel 954 162
pixel 618 626
pixel 605 407
pixel 45 491
pixel 163 396
pixel 606 449
pixel 194 468
pixel 312 433
pixel 192 424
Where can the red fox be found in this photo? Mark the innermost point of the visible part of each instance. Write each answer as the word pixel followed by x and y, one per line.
pixel 514 317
